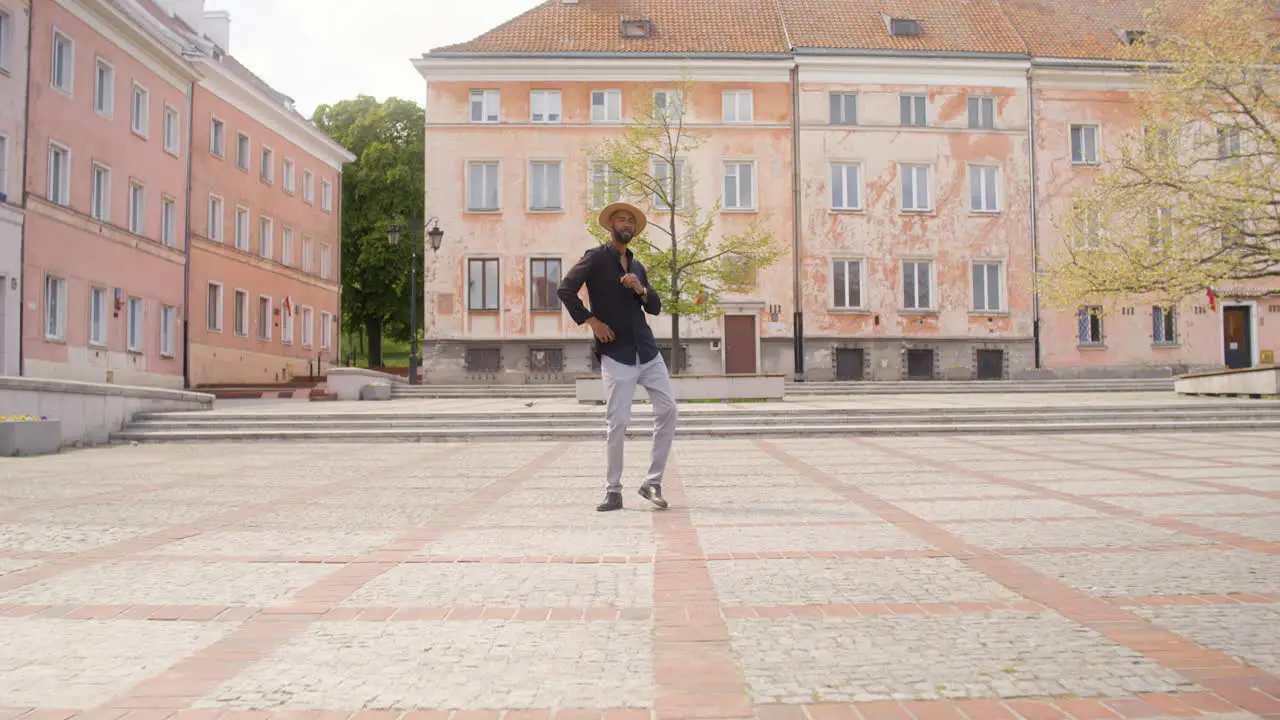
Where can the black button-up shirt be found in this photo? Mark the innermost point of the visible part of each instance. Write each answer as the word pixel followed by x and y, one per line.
pixel 616 305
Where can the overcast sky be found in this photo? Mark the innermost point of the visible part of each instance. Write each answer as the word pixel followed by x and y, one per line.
pixel 323 51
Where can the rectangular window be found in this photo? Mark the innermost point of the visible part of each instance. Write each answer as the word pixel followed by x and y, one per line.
pixel 59 175
pixel 215 218
pixel 986 287
pixel 982 188
pixel 137 209
pixel 286 322
pixel 844 108
pixel 917 285
pixel 243 152
pixel 673 186
pixel 667 106
pixel 325 261
pixel 1089 325
pixel 308 253
pixel 4 166
pixel 241 313
pixel 217 137
pixel 737 106
pixel 213 315
pixel 912 108
pixel 544 106
pixel 544 281
pixel 308 327
pixel 482 186
pixel 606 185
pixel 286 246
pixel 100 200
pixel 326 330
pixel 136 324
pixel 168 222
pixel 482 285
pixel 485 105
pixel 266 237
pixel 288 176
pixel 55 311
pixel 104 89
pixel 6 40
pixel 326 196
pixel 168 330
pixel 845 186
pixel 1228 142
pixel 846 284
pixel 544 186
pixel 172 130
pixel 264 318
pixel 242 228
pixel 268 165
pixel 739 186
pixel 915 187
pixel 982 113
pixel 1084 144
pixel 1164 325
pixel 1161 225
pixel 98 317
pixel 62 69
pixel 308 187
pixel 606 106
pixel 140 114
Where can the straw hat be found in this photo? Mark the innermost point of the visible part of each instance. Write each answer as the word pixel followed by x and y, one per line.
pixel 606 216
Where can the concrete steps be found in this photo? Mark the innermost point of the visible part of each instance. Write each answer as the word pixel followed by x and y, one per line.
pixel 773 420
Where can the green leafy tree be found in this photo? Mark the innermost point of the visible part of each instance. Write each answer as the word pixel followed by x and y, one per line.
pixel 383 186
pixel 689 268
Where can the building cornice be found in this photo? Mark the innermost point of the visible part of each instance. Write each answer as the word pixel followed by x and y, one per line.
pixel 288 124
pixel 39 206
pixel 1098 77
pixel 459 67
pixel 160 53
pixel 917 69
pixel 199 242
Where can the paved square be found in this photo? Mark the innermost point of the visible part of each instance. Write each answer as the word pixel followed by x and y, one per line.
pixel 953 577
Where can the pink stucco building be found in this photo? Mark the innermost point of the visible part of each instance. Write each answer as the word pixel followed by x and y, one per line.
pixel 13 108
pixel 912 157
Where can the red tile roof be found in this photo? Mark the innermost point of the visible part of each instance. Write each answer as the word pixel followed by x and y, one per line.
pixel 945 25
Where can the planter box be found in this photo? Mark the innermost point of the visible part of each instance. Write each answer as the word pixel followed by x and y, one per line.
pixel 1262 380
pixel 349 383
pixel 30 437
pixel 590 389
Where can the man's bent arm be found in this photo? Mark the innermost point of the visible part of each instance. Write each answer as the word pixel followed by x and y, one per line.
pixel 652 303
pixel 571 283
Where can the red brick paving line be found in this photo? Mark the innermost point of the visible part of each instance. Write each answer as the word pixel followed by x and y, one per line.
pixel 146 543
pixel 696 675
pixel 1248 688
pixel 197 675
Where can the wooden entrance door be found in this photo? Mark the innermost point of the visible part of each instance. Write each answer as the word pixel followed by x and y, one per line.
pixel 740 344
pixel 849 363
pixel 1237 337
pixel 990 364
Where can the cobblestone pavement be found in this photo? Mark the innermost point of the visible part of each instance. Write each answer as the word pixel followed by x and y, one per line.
pixel 1025 577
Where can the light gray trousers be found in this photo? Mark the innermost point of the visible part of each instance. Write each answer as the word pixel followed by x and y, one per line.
pixel 620 382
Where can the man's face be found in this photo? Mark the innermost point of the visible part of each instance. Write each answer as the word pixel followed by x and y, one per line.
pixel 623 225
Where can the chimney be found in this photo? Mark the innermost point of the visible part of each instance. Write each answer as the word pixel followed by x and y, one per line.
pixel 217 27
pixel 190 12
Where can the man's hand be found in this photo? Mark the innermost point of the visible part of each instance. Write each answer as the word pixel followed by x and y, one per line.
pixel 602 331
pixel 631 281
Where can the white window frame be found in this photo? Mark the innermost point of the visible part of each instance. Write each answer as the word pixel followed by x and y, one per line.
pixel 99 316
pixel 911 170
pixel 977 104
pixel 61 194
pixel 104 99
pixel 915 305
pixel 978 174
pixel 286 245
pixel 308 254
pixel 471 165
pixel 58 317
pixel 308 326
pixel 659 170
pixel 490 105
pixel 731 107
pixel 861 283
pixel 326 329
pixel 135 323
pixel 242 230
pixel 4 164
pixel 552 107
pixel 137 208
pixel 172 130
pixel 1085 160
pixel 916 108
pixel 289 175
pixel 217 137
pixel 547 189
pixel 983 293
pixel 602 113
pixel 264 328
pixel 6 41
pixel 670 107
pixel 140 119
pixel 267 156
pixel 841 169
pixel 218 310
pixel 169 221
pixel 286 324
pixel 168 331
pixel 326 260
pixel 737 204
pixel 244 161
pixel 842 120
pixel 308 187
pixel 267 239
pixel 601 187
pixel 100 205
pixel 326 196
pixel 69 66
pixel 240 312
pixel 217 219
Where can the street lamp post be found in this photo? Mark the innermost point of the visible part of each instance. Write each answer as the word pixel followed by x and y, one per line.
pixel 435 235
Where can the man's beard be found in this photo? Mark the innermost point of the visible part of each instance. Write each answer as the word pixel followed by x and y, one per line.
pixel 623 236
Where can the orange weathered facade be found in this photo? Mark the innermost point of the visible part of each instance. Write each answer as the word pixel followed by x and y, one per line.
pixel 913 158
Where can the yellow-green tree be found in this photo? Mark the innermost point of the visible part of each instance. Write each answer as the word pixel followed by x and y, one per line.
pixel 1191 198
pixel 646 165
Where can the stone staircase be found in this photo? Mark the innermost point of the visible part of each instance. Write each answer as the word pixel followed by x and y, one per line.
pixel 697 420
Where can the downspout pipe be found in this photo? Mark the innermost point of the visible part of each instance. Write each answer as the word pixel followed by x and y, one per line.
pixel 22 196
pixel 1035 220
pixel 186 261
pixel 797 254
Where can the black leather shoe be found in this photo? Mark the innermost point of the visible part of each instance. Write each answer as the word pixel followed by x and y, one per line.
pixel 653 493
pixel 612 501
